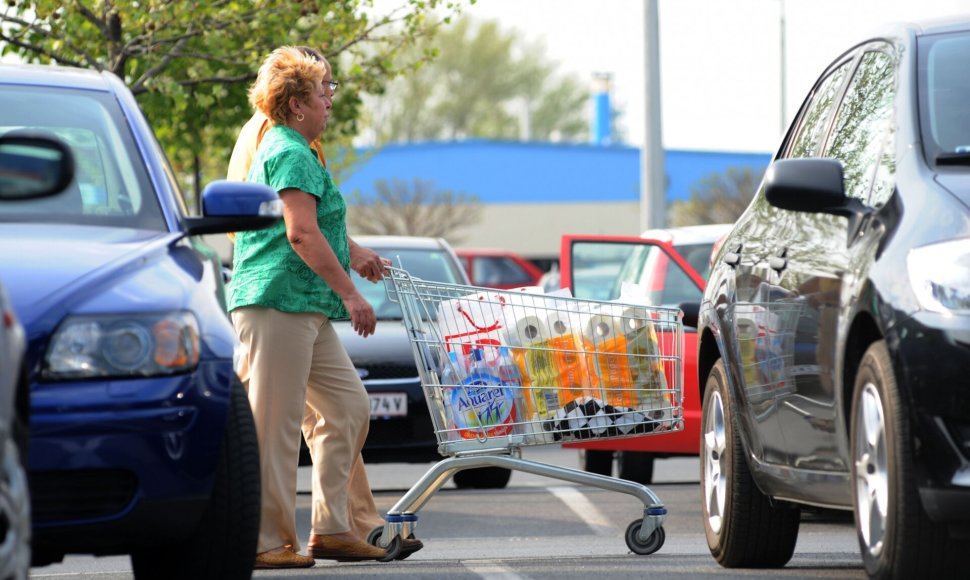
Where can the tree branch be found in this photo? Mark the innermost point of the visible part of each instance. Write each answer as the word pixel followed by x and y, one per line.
pixel 92 18
pixel 216 80
pixel 40 50
pixel 139 85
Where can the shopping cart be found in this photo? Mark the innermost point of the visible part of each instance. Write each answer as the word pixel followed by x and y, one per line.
pixel 502 370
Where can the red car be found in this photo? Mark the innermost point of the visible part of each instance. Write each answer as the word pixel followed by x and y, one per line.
pixel 494 268
pixel 672 266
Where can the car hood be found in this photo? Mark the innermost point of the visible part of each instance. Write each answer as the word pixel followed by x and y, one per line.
pixel 49 269
pixel 387 347
pixel 956 183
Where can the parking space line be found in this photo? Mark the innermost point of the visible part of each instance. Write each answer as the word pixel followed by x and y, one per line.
pixel 585 509
pixel 490 571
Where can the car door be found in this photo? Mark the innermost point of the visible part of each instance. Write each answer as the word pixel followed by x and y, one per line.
pixel 755 344
pixel 816 263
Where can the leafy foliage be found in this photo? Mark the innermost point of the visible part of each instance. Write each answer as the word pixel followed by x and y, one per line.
pixel 719 198
pixel 190 62
pixel 397 208
pixel 483 82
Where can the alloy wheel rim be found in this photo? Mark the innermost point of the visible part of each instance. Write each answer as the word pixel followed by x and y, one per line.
pixel 715 470
pixel 15 510
pixel 871 470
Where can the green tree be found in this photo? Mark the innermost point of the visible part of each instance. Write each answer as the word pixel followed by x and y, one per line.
pixel 483 82
pixel 402 209
pixel 718 198
pixel 189 62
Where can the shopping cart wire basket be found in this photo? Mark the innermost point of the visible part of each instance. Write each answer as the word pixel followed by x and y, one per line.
pixel 504 369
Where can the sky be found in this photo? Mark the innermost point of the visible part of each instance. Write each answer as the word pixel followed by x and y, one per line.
pixel 720 60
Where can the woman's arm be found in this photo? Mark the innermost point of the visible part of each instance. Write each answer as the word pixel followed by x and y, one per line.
pixel 303 233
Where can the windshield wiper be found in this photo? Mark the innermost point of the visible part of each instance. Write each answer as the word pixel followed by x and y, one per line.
pixel 958 158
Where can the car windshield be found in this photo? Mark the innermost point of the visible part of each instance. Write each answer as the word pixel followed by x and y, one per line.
pixel 427 264
pixel 110 186
pixel 944 91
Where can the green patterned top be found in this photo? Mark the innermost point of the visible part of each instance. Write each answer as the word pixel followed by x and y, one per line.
pixel 266 270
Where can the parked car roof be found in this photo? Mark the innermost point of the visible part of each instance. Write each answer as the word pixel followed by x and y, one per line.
pixel 415 242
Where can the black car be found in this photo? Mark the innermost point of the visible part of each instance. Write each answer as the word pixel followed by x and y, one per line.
pixel 400 425
pixel 834 332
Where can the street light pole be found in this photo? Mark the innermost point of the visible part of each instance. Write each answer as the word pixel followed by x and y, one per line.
pixel 781 60
pixel 652 177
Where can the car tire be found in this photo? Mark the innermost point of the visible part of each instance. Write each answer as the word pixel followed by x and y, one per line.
pixel 14 513
pixel 223 546
pixel 482 478
pixel 743 527
pixel 598 461
pixel 896 537
pixel 636 466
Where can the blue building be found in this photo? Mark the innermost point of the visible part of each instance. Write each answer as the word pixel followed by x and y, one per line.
pixel 533 192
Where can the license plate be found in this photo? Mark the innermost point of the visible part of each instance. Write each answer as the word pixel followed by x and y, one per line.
pixel 388 405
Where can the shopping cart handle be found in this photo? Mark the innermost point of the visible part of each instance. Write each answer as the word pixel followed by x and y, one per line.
pixel 398 274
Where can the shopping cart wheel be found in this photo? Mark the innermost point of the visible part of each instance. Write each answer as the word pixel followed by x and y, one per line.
pixel 644 548
pixel 374 537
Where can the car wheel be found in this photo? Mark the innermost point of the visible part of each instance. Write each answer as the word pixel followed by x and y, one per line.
pixel 636 466
pixel 598 461
pixel 482 478
pixel 224 544
pixel 742 526
pixel 896 537
pixel 14 514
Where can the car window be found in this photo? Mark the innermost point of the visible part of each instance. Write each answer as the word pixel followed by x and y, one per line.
pixel 111 186
pixel 490 270
pixel 944 91
pixel 662 278
pixel 811 130
pixel 862 139
pixel 598 266
pixel 698 256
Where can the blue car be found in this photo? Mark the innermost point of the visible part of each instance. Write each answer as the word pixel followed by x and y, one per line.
pixel 141 437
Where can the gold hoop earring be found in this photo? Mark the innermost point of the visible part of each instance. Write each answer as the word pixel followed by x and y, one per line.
pixel 299 117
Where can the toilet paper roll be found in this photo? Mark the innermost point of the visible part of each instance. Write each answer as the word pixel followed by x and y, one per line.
pixel 528 329
pixel 601 328
pixel 563 323
pixel 633 318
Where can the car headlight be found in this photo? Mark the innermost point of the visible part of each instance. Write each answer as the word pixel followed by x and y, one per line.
pixel 940 275
pixel 123 345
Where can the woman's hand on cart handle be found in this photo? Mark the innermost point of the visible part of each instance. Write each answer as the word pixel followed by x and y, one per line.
pixel 368 263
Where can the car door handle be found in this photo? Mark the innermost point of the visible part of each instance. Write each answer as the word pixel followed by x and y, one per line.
pixel 779 261
pixel 733 255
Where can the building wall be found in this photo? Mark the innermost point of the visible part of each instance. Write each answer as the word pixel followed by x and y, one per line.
pixel 534 192
pixel 533 229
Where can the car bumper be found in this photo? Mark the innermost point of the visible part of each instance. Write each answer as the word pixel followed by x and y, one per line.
pixel 409 439
pixel 932 358
pixel 109 460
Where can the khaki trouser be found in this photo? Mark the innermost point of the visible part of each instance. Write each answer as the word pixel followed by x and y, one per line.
pixel 297 365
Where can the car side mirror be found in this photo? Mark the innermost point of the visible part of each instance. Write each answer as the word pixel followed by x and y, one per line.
pixel 33 166
pixel 235 206
pixel 815 186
